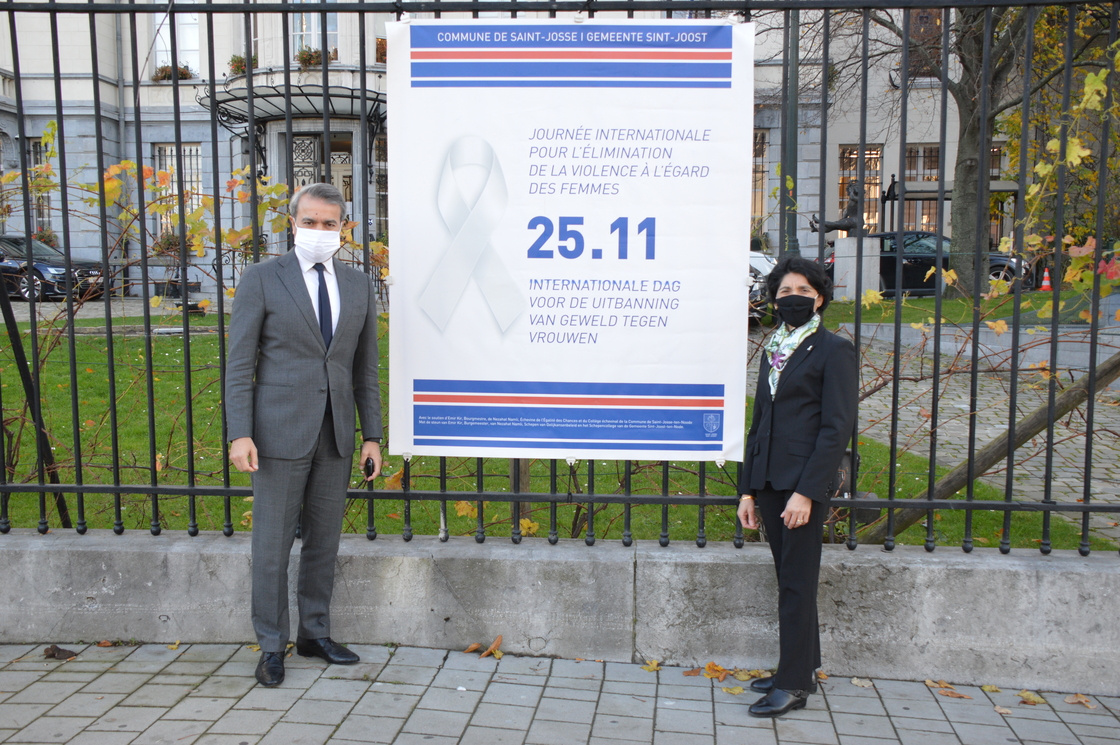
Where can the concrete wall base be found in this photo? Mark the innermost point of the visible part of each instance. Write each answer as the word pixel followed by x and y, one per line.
pixel 1023 620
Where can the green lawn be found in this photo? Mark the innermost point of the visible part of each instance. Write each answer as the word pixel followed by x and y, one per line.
pixel 957 311
pixel 168 411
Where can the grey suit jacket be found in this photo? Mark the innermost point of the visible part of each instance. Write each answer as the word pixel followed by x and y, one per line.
pixel 278 370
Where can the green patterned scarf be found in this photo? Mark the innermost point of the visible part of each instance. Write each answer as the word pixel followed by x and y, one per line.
pixel 781 345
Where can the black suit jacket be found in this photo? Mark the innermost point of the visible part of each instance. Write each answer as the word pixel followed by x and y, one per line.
pixel 798 436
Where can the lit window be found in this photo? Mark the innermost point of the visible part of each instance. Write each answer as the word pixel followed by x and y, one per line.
pixel 759 175
pixel 921 165
pixel 872 179
pixel 925 43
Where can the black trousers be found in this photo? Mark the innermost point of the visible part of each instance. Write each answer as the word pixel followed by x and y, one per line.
pixel 797 559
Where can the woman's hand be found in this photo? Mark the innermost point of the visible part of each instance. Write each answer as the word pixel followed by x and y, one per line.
pixel 797 510
pixel 746 514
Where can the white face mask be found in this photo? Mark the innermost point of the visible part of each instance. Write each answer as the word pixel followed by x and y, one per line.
pixel 317 246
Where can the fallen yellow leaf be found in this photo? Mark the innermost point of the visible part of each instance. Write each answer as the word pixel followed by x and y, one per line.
pixel 472 648
pixel 952 693
pixel 734 691
pixel 821 675
pixel 498 654
pixel 862 683
pixel 1001 710
pixel 394 480
pixel 253 647
pixel 155 301
pixel 651 666
pixel 174 646
pixel 695 672
pixel 712 670
pixel 1080 698
pixel 490 650
pixel 1030 697
pixel 990 689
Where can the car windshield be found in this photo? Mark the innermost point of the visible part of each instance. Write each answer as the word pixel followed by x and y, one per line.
pixel 762 263
pixel 926 244
pixel 16 248
pixel 915 243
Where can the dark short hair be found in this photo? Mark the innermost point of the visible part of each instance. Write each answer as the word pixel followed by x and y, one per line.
pixel 807 268
pixel 323 192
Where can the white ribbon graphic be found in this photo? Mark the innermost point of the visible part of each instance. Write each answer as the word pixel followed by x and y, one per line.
pixel 471 220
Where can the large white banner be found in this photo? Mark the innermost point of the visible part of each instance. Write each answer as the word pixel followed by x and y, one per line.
pixel 570 222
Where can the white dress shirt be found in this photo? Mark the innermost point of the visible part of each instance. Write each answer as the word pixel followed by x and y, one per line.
pixel 311 279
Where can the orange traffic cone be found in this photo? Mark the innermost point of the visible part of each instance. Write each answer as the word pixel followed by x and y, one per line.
pixel 1046 286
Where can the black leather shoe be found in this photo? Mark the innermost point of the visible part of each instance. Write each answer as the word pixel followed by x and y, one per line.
pixel 765 685
pixel 325 649
pixel 270 670
pixel 762 685
pixel 778 702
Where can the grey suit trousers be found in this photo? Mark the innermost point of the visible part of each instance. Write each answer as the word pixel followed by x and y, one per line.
pixel 311 492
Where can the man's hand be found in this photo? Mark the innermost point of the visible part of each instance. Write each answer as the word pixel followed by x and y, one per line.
pixel 243 454
pixel 370 450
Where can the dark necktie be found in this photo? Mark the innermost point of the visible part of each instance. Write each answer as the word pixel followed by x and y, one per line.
pixel 324 308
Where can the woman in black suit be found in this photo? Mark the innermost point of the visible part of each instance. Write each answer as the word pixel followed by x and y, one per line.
pixel 804 415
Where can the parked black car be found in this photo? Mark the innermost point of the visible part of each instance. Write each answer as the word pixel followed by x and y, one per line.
pixel 46 276
pixel 919 255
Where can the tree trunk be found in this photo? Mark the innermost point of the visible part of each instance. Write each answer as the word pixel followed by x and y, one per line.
pixel 967 240
pixel 996 450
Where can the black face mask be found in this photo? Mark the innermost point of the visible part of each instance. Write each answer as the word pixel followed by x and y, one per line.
pixel 795 310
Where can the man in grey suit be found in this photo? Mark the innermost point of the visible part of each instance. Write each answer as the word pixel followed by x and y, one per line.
pixel 302 357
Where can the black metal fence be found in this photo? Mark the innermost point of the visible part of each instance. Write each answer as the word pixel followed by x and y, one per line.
pixel 160 168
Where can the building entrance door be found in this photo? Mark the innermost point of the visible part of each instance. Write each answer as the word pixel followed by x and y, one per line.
pixel 309 159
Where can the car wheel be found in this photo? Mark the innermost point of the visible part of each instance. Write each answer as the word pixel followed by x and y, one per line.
pixel 1002 274
pixel 31 286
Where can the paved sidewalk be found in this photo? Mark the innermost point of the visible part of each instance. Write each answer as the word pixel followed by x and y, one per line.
pixel 206 695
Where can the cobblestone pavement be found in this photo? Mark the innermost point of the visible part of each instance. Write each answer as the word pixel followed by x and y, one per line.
pixel 916 405
pixel 121 307
pixel 206 695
